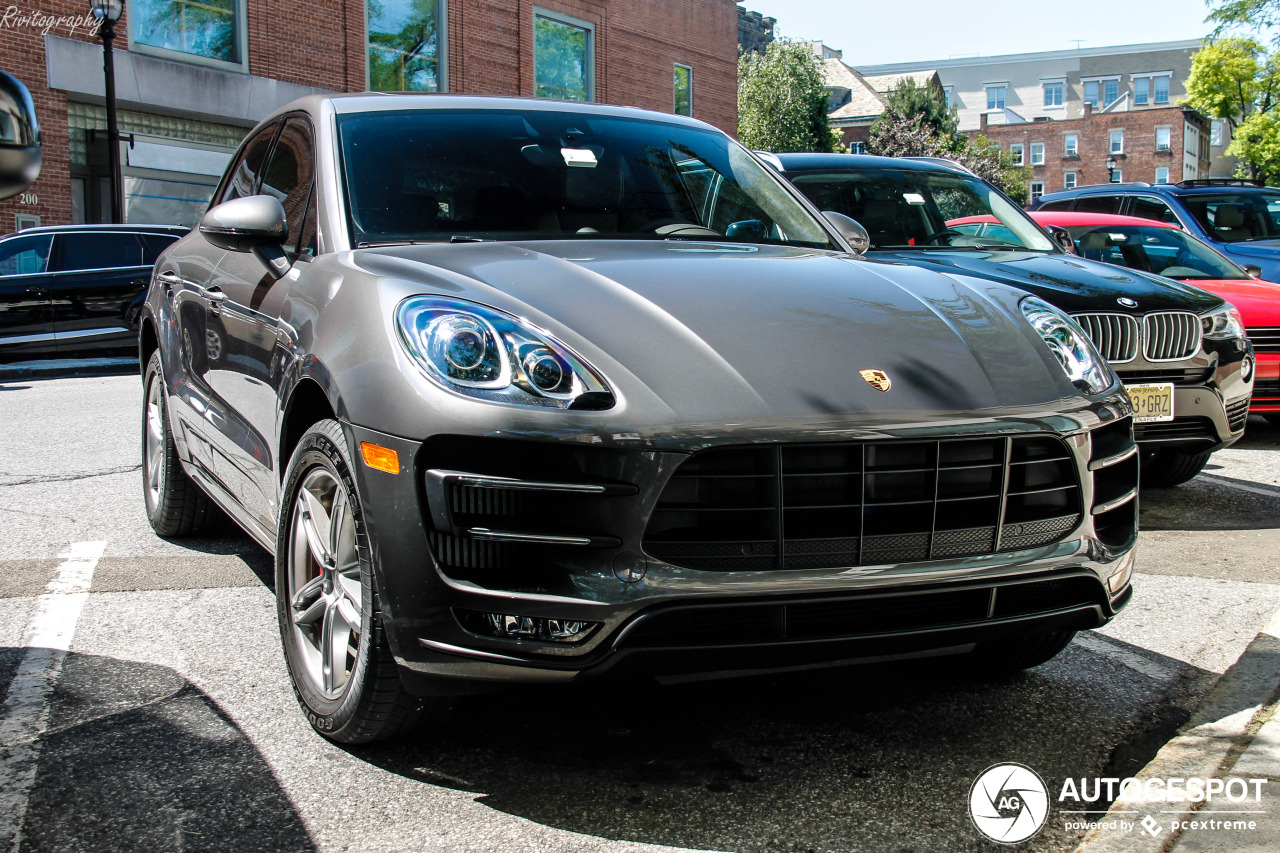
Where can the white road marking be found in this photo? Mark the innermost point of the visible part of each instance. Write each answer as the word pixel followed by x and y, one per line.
pixel 1230 483
pixel 24 716
pixel 1098 645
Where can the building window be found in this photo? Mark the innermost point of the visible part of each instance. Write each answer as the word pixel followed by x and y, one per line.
pixel 406 46
pixel 211 30
pixel 1162 175
pixel 1163 136
pixel 1215 132
pixel 1071 145
pixel 946 94
pixel 1015 153
pixel 1037 189
pixel 563 57
pixel 1141 90
pixel 857 148
pixel 1069 180
pixel 1053 94
pixel 1162 90
pixel 1110 92
pixel 995 97
pixel 1037 154
pixel 1117 142
pixel 683 90
pixel 1091 93
pixel 1117 176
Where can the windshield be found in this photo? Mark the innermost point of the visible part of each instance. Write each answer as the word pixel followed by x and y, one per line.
pixel 1235 217
pixel 1163 251
pixel 916 209
pixel 439 175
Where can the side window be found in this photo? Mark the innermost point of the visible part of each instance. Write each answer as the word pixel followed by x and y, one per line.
pixel 1064 204
pixel 25 255
pixel 97 251
pixel 307 247
pixel 1098 203
pixel 244 174
pixel 153 245
pixel 1151 208
pixel 288 174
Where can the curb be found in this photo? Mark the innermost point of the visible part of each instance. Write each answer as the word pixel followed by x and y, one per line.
pixel 67 367
pixel 1225 722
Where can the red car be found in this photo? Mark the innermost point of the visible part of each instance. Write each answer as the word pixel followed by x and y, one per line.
pixel 1165 249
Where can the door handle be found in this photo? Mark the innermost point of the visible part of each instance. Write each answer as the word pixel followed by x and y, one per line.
pixel 215 297
pixel 169 279
pixel 36 291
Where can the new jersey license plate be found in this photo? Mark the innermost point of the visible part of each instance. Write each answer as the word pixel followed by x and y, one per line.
pixel 1151 403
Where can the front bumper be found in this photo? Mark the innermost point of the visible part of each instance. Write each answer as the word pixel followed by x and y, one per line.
pixel 649 614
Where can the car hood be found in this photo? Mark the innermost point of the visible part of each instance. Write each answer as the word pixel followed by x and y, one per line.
pixel 716 331
pixel 1266 249
pixel 1071 283
pixel 1258 301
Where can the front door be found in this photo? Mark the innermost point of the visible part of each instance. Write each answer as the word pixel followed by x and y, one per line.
pixel 26 316
pixel 98 291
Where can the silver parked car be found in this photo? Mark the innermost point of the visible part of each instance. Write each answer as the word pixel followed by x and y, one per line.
pixel 525 391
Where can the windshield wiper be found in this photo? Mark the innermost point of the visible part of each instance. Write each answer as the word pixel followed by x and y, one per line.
pixel 377 244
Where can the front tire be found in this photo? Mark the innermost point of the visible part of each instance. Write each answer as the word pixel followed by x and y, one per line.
pixel 339 661
pixel 1168 468
pixel 176 506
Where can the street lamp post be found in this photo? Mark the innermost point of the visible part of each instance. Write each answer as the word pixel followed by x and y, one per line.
pixel 108 11
pixel 1111 170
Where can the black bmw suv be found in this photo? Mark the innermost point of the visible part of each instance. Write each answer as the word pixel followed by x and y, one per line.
pixel 1181 352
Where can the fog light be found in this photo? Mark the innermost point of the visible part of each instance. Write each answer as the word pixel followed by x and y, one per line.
pixel 526 627
pixel 1246 368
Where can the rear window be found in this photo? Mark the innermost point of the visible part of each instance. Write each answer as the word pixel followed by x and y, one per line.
pixel 1098 204
pixel 96 251
pixel 1236 217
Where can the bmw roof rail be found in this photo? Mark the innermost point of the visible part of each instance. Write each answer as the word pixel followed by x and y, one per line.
pixel 943 161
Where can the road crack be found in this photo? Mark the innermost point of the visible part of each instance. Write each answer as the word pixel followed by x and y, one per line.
pixel 65 478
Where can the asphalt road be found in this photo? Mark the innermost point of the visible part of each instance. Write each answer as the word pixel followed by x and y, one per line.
pixel 170 725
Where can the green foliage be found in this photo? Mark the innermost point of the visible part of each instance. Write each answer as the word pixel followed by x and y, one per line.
pixel 924 106
pixel 560 57
pixel 1257 144
pixel 1250 14
pixel 402 48
pixel 782 105
pixel 205 28
pixel 987 161
pixel 1233 78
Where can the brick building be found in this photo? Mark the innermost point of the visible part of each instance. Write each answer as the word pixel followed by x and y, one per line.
pixel 193 77
pixel 1159 146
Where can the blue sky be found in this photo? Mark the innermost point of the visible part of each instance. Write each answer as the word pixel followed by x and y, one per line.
pixel 874 33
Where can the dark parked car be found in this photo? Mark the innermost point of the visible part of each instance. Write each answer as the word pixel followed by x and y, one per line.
pixel 1181 352
pixel 76 290
pixel 526 391
pixel 1237 218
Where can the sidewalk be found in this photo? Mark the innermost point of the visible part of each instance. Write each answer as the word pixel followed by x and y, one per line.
pixel 1235 733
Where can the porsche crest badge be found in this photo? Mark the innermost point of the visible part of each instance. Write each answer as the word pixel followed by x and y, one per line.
pixel 877 379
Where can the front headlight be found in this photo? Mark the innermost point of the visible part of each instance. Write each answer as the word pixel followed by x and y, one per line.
pixel 1222 323
pixel 1069 344
pixel 485 353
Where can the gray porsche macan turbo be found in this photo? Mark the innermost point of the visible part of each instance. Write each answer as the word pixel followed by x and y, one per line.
pixel 525 391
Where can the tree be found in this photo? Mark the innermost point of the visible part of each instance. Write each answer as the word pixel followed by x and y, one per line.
pixel 1257 143
pixel 1252 14
pixel 924 106
pixel 782 105
pixel 1236 80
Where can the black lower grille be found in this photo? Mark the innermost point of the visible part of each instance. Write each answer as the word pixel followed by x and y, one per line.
pixel 1238 414
pixel 861 616
pixel 1178 429
pixel 1266 388
pixel 1265 339
pixel 850 504
pixel 1178 376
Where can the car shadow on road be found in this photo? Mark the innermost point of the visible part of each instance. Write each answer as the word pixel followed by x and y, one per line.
pixel 867 758
pixel 137 758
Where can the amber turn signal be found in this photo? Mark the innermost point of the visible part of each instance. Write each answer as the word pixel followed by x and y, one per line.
pixel 380 458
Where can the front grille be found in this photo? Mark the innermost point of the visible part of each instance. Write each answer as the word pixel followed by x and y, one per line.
pixel 1265 339
pixel 1266 388
pixel 1178 376
pixel 863 615
pixel 1178 429
pixel 1238 413
pixel 1114 335
pixel 850 504
pixel 1170 335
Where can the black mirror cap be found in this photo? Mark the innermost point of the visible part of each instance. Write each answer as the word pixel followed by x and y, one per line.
pixel 1062 237
pixel 851 230
pixel 245 224
pixel 19 137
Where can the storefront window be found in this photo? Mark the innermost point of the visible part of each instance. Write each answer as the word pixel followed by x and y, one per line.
pixel 211 29
pixel 406 39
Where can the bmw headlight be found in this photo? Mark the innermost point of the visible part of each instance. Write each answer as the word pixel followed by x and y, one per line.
pixel 1069 344
pixel 482 352
pixel 1222 323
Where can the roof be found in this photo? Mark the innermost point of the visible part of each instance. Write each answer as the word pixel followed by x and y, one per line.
pixel 884 83
pixel 1076 53
pixel 179 230
pixel 864 101
pixel 1070 218
pixel 853 162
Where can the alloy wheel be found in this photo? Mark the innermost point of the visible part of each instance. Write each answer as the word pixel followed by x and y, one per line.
pixel 154 441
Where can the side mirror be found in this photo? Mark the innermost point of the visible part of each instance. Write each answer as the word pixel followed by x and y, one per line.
pixel 750 229
pixel 19 137
pixel 1062 237
pixel 254 223
pixel 1253 270
pixel 851 230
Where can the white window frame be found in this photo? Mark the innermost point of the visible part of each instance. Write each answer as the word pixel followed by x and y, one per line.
pixel 442 46
pixel 1061 83
pixel 1037 154
pixel 1032 192
pixel 1168 142
pixel 1071 150
pixel 1215 132
pixel 1004 97
pixel 857 148
pixel 1141 99
pixel 590 71
pixel 1102 88
pixel 1118 176
pixel 1168 93
pixel 688 68
pixel 1018 153
pixel 1160 169
pixel 947 95
pixel 241 12
pixel 1114 135
pixel 1070 180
